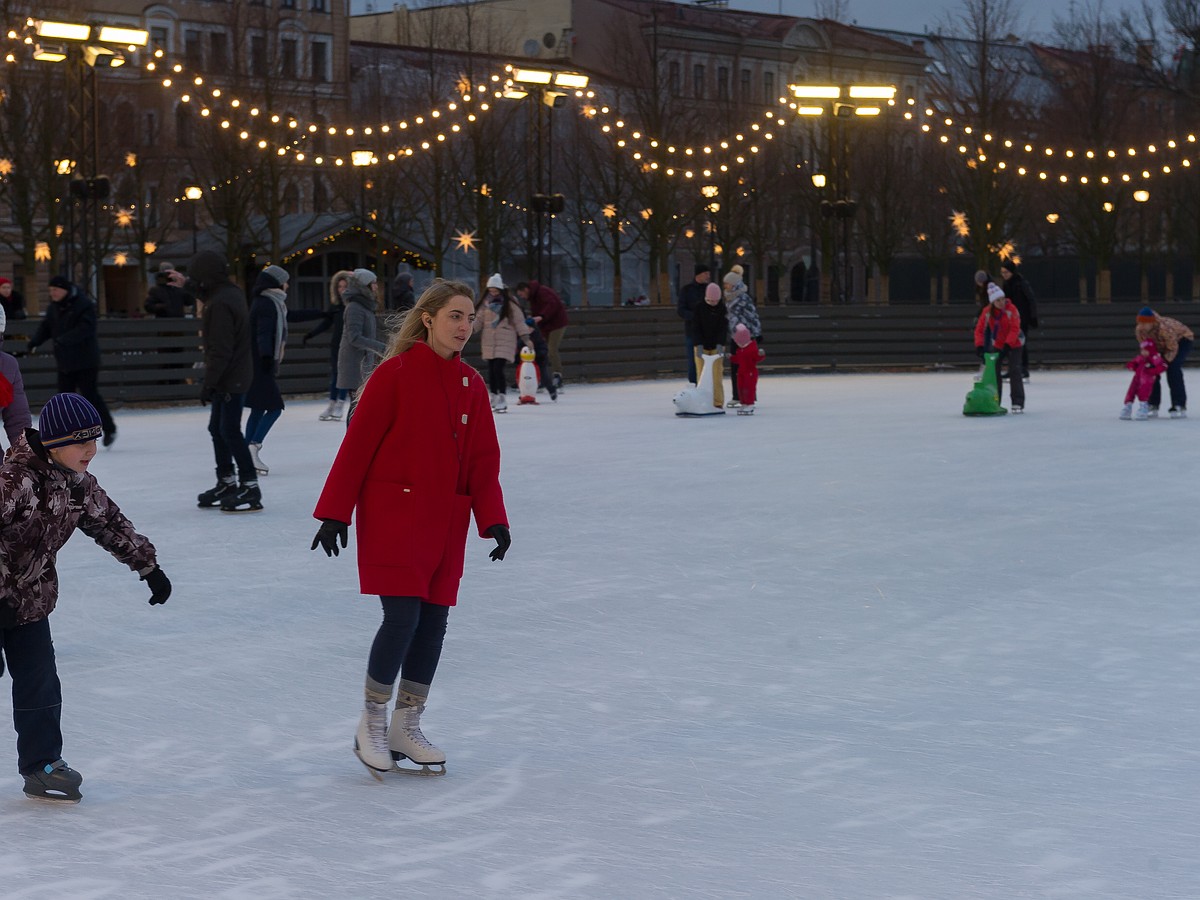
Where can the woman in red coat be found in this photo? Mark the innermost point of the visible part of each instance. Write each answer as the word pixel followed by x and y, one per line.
pixel 419 457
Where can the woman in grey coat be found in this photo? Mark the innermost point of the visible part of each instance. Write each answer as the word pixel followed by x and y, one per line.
pixel 360 349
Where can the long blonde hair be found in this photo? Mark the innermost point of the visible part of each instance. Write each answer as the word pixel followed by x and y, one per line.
pixel 345 275
pixel 411 327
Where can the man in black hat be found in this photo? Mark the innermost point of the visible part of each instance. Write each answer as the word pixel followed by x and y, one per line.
pixel 165 301
pixel 691 295
pixel 70 321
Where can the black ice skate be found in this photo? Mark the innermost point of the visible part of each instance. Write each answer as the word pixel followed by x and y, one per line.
pixel 225 487
pixel 56 782
pixel 247 498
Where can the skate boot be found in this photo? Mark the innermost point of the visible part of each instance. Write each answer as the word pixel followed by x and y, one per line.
pixel 339 409
pixel 1126 412
pixel 371 739
pixel 733 404
pixel 1177 412
pixel 56 782
pixel 1153 414
pixel 746 410
pixel 259 466
pixel 1143 412
pixel 246 498
pixel 407 742
pixel 556 380
pixel 499 403
pixel 327 415
pixel 226 485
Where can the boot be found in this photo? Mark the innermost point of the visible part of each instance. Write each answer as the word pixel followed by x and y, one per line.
pixel 407 742
pixel 56 782
pixel 259 466
pixel 500 403
pixel 226 485
pixel 1143 412
pixel 339 409
pixel 1126 412
pixel 328 415
pixel 246 498
pixel 371 739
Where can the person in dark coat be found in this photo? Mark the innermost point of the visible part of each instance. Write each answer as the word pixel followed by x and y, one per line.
pixel 12 300
pixel 164 300
pixel 691 295
pixel 268 332
pixel 710 327
pixel 1017 289
pixel 550 313
pixel 70 321
pixel 335 320
pixel 228 369
pixel 403 295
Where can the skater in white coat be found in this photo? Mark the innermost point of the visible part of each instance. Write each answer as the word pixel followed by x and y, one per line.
pixel 500 324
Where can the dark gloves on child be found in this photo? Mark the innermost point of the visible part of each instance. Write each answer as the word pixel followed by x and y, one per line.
pixel 160 586
pixel 328 535
pixel 503 541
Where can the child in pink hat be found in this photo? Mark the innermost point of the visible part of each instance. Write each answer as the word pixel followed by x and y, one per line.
pixel 1146 366
pixel 746 358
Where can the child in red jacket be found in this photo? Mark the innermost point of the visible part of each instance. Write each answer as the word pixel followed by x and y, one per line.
pixel 745 359
pixel 998 329
pixel 1146 366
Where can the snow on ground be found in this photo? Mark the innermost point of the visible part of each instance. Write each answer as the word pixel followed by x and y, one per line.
pixel 856 646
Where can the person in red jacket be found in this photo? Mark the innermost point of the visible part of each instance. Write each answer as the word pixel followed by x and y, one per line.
pixel 746 358
pixel 999 329
pixel 419 457
pixel 550 314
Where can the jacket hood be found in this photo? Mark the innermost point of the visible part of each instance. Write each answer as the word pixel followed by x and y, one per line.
pixel 264 282
pixel 207 270
pixel 358 294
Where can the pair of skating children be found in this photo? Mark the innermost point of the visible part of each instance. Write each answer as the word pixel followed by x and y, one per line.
pixel 46 493
pixel 1146 366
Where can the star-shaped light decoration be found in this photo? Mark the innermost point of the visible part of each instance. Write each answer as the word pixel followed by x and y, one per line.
pixel 647 213
pixel 958 221
pixel 148 248
pixel 41 251
pixel 465 241
pixel 464 86
pixel 610 210
pixel 689 233
pixel 484 190
pixel 131 160
pixel 120 259
pixel 124 218
pixel 1006 250
pixel 922 237
pixel 6 166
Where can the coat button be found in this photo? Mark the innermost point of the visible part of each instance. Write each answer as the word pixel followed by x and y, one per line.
pixel 464 419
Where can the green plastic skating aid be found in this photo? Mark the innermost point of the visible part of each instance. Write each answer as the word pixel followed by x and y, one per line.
pixel 984 398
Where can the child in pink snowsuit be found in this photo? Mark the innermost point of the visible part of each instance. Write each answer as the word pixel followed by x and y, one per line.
pixel 1146 366
pixel 746 358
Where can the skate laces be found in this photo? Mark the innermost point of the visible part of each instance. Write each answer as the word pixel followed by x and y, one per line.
pixel 412 727
pixel 377 724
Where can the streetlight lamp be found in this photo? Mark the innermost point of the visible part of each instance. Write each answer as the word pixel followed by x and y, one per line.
pixel 551 87
pixel 361 157
pixel 193 193
pixel 852 101
pixel 88 47
pixel 1141 196
pixel 712 206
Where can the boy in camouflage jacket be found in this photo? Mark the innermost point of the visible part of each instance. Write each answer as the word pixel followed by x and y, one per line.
pixel 46 492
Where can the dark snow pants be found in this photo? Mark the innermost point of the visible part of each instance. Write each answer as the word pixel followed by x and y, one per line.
pixel 229 444
pixel 1174 379
pixel 36 693
pixel 409 641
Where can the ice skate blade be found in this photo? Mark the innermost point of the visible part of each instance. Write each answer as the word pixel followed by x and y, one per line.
pixel 248 509
pixel 428 770
pixel 54 798
pixel 377 774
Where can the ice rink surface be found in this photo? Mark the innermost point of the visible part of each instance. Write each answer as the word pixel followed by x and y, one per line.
pixel 856 646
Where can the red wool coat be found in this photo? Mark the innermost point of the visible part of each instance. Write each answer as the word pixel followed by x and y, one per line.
pixel 419 457
pixel 1005 325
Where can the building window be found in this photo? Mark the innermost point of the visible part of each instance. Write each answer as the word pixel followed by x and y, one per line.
pixel 183 126
pixel 288 55
pixel 218 51
pixel 287 4
pixel 722 82
pixel 320 61
pixel 258 55
pixel 698 81
pixel 160 38
pixel 675 78
pixel 150 129
pixel 769 88
pixel 318 6
pixel 193 49
pixel 745 89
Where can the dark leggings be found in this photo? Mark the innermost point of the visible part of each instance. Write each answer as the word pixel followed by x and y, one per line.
pixel 497 383
pixel 409 641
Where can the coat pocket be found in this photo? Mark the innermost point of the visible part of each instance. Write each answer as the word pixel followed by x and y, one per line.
pixel 392 524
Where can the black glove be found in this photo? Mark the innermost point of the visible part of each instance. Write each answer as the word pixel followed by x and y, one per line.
pixel 8 619
pixel 160 586
pixel 503 541
pixel 328 534
pixel 206 395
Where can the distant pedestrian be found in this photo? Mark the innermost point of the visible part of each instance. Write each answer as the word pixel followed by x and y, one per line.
pixel 70 321
pixel 1018 291
pixel 744 361
pixel 711 330
pixel 500 324
pixel 360 348
pixel 165 301
pixel 740 310
pixel 12 300
pixel 998 330
pixel 403 295
pixel 14 407
pixel 1146 367
pixel 334 323
pixel 268 336
pixel 550 314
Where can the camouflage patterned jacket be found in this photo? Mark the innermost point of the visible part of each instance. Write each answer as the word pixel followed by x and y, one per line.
pixel 40 507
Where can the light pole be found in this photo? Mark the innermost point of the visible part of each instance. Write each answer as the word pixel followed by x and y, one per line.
pixel 842 102
pixel 818 181
pixel 1141 196
pixel 193 193
pixel 361 158
pixel 86 47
